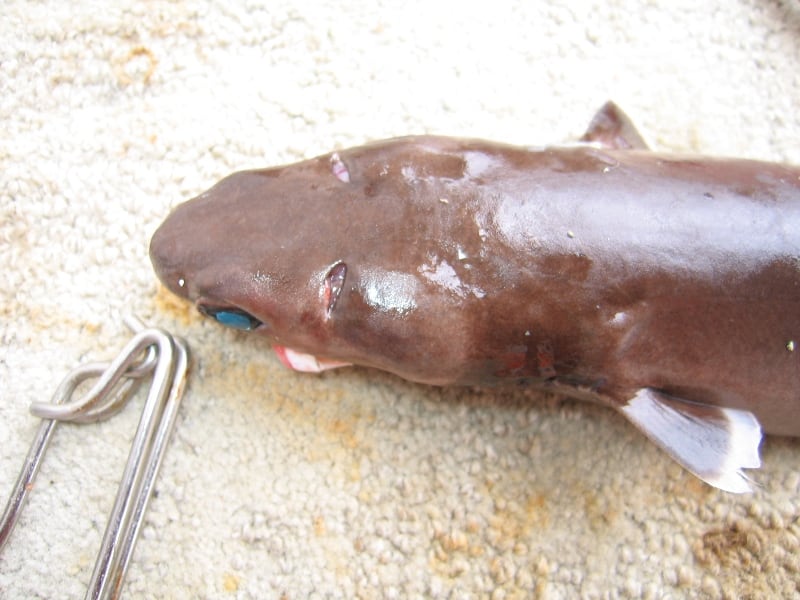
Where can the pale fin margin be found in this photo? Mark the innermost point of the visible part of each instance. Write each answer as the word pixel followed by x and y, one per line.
pixel 612 128
pixel 713 443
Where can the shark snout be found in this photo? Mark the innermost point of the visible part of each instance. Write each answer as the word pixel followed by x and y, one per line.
pixel 165 255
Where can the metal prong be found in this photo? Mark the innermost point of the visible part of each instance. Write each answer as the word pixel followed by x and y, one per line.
pixel 152 466
pixel 168 359
pixel 144 461
pixel 24 483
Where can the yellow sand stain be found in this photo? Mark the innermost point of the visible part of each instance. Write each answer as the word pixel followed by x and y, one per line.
pixel 542 570
pixel 512 522
pixel 599 510
pixel 507 530
pixel 92 328
pixel 683 484
pixel 178 308
pixel 43 318
pixel 230 583
pixel 137 66
pixel 354 472
pixel 695 487
pixel 256 375
pixel 345 431
pixel 319 526
pixel 749 559
pixel 537 513
pixel 330 427
pixel 454 541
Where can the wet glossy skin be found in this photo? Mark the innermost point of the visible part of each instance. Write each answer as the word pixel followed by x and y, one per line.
pixel 470 262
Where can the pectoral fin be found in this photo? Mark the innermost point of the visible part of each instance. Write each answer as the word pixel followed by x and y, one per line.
pixel 612 128
pixel 713 443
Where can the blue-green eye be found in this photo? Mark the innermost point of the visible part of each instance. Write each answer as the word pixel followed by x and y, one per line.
pixel 231 317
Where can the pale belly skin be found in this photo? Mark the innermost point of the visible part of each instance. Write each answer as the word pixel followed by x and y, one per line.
pixel 601 271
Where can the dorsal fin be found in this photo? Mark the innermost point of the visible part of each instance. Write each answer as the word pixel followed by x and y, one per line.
pixel 612 128
pixel 713 443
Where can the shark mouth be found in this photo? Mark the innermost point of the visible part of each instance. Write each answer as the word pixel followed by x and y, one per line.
pixel 306 363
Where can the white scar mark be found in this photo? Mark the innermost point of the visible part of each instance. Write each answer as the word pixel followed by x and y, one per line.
pixel 444 275
pixel 339 169
pixel 409 173
pixel 619 318
pixel 478 163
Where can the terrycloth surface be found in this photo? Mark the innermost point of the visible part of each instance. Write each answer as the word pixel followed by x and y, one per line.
pixel 355 484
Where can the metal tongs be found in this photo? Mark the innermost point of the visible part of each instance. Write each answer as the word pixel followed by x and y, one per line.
pixel 149 351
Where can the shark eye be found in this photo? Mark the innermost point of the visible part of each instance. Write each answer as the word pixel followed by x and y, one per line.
pixel 231 317
pixel 334 282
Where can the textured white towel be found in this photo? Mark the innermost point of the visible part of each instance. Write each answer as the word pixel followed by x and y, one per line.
pixel 354 484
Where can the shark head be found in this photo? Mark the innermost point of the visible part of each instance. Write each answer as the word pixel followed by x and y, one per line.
pixel 344 258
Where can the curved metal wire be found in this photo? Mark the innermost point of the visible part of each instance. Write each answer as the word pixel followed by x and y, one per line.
pixel 167 358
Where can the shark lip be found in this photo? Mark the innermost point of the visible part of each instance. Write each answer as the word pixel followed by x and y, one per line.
pixel 306 363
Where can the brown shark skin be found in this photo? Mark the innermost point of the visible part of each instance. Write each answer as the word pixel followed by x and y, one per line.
pixel 595 271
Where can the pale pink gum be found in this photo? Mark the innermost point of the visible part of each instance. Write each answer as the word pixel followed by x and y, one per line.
pixel 306 363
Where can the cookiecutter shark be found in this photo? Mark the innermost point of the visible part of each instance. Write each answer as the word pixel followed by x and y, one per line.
pixel 664 286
